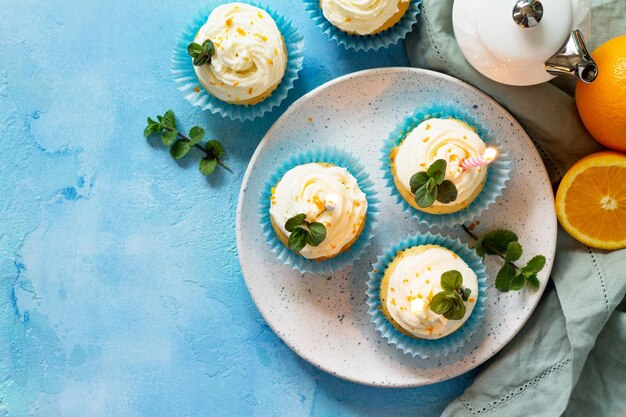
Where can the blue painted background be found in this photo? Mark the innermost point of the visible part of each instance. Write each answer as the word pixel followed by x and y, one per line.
pixel 120 288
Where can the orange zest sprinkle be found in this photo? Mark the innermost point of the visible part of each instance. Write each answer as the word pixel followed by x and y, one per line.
pixel 318 202
pixel 427 126
pixel 269 61
pixel 471 299
pixel 348 19
pixel 241 31
pixel 393 301
pixel 250 92
pixel 260 15
pixel 309 119
pixel 197 89
pixel 235 84
pixel 229 22
pixel 426 139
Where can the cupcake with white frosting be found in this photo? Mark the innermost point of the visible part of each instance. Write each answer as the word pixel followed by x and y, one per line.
pixel 237 59
pixel 414 282
pixel 324 196
pixel 358 17
pixel 249 55
pixel 364 24
pixel 427 294
pixel 318 210
pixel 446 139
pixel 443 166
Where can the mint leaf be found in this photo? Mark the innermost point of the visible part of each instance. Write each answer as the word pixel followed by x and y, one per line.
pixel 207 166
pixel 466 294
pixel 451 280
pixel 296 220
pixel 208 48
pixel 194 49
pixel 513 252
pixel 297 240
pixel 214 148
pixel 442 302
pixel 517 282
pixel 497 239
pixel 535 265
pixel 179 149
pixel 457 312
pixel 417 180
pixel 196 134
pixel 168 137
pixel 533 281
pixel 169 120
pixel 446 192
pixel 504 277
pixel 151 128
pixel 424 197
pixel 317 233
pixel 437 170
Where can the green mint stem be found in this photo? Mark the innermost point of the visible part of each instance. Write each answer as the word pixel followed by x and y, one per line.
pixel 500 254
pixel 202 148
pixel 224 166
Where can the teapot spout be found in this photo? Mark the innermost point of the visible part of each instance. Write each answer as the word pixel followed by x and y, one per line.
pixel 573 59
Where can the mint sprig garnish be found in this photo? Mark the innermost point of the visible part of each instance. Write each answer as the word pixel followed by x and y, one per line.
pixel 201 54
pixel 304 233
pixel 180 145
pixel 505 244
pixel 450 302
pixel 430 186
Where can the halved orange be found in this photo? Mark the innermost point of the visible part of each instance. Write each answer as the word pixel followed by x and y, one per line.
pixel 591 201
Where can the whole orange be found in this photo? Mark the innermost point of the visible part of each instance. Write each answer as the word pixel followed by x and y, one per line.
pixel 602 103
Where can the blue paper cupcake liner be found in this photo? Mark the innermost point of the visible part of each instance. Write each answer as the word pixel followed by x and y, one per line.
pixel 427 348
pixel 388 37
pixel 497 176
pixel 338 158
pixel 186 79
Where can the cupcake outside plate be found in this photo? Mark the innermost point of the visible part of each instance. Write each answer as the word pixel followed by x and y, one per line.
pixel 384 39
pixel 187 81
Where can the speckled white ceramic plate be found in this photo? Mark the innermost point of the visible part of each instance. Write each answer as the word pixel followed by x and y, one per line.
pixel 324 318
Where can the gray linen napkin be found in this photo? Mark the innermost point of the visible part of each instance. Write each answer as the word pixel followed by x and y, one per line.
pixel 570 358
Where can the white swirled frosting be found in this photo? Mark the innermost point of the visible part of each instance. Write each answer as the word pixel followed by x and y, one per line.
pixel 415 280
pixel 360 16
pixel 448 139
pixel 314 189
pixel 250 56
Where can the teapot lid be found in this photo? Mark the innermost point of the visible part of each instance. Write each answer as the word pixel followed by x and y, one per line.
pixel 510 40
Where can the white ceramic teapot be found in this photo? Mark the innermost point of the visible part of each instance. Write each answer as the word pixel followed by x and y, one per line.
pixel 525 42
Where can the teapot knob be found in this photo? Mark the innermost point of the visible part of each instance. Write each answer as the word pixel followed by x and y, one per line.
pixel 527 13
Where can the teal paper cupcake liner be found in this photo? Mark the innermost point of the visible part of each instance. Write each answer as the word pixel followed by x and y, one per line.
pixel 339 158
pixel 427 348
pixel 497 176
pixel 186 80
pixel 384 39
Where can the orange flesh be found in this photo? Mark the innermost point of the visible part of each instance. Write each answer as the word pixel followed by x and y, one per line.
pixel 595 203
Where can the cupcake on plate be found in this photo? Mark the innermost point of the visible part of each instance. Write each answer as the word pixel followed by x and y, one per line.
pixel 452 141
pixel 318 210
pixel 428 292
pixel 364 25
pixel 237 59
pixel 364 18
pixel 239 54
pixel 444 167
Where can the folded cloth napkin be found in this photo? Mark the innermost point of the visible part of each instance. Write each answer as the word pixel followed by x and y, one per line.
pixel 570 358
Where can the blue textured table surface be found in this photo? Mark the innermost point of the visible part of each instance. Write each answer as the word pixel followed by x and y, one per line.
pixel 120 287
